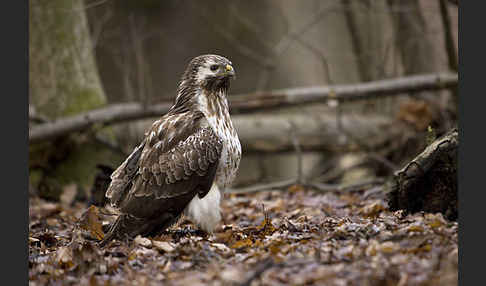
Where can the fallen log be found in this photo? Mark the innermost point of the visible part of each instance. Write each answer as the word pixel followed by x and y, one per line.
pixel 248 103
pixel 429 182
pixel 316 132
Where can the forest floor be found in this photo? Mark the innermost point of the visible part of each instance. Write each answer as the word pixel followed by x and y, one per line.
pixel 288 237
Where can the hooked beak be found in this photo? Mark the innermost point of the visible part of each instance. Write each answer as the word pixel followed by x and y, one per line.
pixel 229 71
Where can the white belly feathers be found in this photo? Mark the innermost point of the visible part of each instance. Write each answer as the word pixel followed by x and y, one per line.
pixel 205 212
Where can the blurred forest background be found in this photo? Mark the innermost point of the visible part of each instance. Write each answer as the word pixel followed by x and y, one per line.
pixel 94 54
pixel 347 115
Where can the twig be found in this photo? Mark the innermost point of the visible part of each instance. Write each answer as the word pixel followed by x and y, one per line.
pixel 263 187
pixel 337 172
pixel 38 118
pixel 345 188
pixel 372 191
pixel 320 55
pixel 98 28
pixel 237 44
pixel 387 163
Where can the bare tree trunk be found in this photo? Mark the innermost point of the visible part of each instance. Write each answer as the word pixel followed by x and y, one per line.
pixel 63 77
pixel 411 39
pixel 419 53
pixel 448 36
pixel 63 81
pixel 451 50
pixel 358 43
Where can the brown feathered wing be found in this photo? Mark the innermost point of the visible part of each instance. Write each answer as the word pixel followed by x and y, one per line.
pixel 176 161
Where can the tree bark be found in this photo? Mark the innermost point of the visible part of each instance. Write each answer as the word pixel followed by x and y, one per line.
pixel 63 81
pixel 448 36
pixel 63 77
pixel 429 182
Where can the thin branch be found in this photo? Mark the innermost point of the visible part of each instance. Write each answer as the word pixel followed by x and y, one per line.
pixel 104 116
pixel 356 41
pixel 94 4
pixel 249 103
pixel 259 35
pixel 263 187
pixel 341 188
pixel 236 43
pixel 318 53
pixel 98 27
pixel 384 161
pixel 316 186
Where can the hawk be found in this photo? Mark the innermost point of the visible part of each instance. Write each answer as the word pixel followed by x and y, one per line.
pixel 185 161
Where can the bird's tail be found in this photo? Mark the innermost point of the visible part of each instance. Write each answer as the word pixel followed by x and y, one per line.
pixel 127 227
pixel 124 227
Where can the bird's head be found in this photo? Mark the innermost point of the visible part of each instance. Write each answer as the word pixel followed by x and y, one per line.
pixel 205 75
pixel 211 72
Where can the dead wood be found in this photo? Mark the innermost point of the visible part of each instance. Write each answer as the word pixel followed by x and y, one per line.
pixel 248 103
pixel 316 132
pixel 429 182
pixel 274 133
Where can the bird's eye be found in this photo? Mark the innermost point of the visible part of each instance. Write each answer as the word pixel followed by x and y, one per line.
pixel 214 67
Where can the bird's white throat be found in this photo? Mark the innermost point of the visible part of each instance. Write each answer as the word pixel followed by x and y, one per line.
pixel 205 212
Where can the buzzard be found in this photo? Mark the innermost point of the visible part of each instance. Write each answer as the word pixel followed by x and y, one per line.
pixel 185 161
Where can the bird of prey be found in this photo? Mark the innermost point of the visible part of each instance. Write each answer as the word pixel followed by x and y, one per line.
pixel 185 161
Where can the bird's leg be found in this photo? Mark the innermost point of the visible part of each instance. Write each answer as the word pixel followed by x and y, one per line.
pixel 202 233
pixel 186 231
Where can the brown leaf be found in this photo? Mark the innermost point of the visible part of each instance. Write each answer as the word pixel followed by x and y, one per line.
pixel 416 112
pixel 90 221
pixel 434 220
pixel 64 257
pixel 242 243
pixel 266 227
pixel 417 228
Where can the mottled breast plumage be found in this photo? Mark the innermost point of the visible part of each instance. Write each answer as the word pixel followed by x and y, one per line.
pixel 215 109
